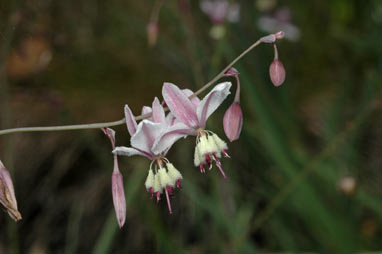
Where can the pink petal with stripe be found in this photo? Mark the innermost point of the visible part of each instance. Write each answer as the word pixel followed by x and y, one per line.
pixel 180 105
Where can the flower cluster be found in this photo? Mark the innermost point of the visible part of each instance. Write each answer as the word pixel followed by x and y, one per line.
pixel 157 132
pixel 153 137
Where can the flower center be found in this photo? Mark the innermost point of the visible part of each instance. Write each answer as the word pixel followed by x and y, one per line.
pixel 209 147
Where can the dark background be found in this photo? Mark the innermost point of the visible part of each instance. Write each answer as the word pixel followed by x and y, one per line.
pixel 306 174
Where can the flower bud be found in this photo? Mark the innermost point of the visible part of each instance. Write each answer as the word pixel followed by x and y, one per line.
pixel 152 33
pixel 233 121
pixel 231 72
pixel 117 184
pixel 118 197
pixel 7 194
pixel 277 70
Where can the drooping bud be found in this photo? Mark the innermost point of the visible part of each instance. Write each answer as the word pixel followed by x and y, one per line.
pixel 118 196
pixel 152 33
pixel 233 121
pixel 277 70
pixel 117 189
pixel 233 117
pixel 7 194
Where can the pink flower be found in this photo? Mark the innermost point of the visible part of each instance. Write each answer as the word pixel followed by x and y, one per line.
pixel 280 20
pixel 117 184
pixel 7 194
pixel 152 138
pixel 221 10
pixel 194 114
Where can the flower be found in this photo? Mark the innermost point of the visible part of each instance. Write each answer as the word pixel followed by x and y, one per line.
pixel 194 114
pixel 117 190
pixel 152 138
pixel 220 10
pixel 7 194
pixel 280 20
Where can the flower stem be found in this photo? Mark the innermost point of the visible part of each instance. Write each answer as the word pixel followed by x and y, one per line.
pixel 122 121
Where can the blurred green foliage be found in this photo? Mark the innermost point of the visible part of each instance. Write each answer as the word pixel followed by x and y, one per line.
pixel 288 186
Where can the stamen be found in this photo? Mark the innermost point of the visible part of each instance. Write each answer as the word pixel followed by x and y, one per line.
pixel 169 189
pixel 208 160
pixel 178 184
pixel 226 154
pixel 202 170
pixel 158 196
pixel 221 169
pixel 168 201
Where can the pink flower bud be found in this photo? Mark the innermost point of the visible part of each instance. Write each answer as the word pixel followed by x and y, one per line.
pixel 277 72
pixel 233 121
pixel 117 190
pixel 118 196
pixel 152 33
pixel 7 194
pixel 231 72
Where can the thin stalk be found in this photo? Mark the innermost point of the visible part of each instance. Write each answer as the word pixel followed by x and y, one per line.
pixel 122 121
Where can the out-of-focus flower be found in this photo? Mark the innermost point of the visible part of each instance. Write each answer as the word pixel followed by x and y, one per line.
pixel 33 56
pixel 280 21
pixel 194 114
pixel 233 117
pixel 221 10
pixel 277 70
pixel 7 194
pixel 152 33
pixel 152 138
pixel 347 185
pixel 117 189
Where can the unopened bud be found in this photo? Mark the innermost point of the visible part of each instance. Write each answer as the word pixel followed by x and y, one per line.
pixel 118 197
pixel 152 33
pixel 277 70
pixel 7 194
pixel 233 121
pixel 231 72
pixel 117 184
